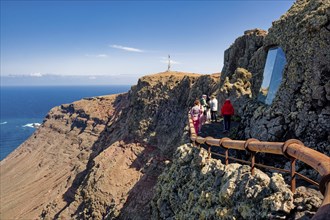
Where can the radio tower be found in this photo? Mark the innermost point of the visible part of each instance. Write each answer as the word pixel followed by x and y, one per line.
pixel 169 64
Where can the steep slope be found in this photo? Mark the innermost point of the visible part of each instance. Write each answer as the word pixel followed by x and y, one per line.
pixel 46 165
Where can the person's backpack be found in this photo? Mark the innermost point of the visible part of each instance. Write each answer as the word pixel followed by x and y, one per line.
pixel 203 102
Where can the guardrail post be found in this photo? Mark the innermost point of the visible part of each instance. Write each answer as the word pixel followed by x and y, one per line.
pixel 293 161
pixel 208 151
pixel 253 154
pixel 293 175
pixel 226 157
pixel 226 149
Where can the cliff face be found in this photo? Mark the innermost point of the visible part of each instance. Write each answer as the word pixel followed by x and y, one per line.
pixel 49 165
pixel 158 106
pixel 301 108
pixel 100 157
pixel 246 53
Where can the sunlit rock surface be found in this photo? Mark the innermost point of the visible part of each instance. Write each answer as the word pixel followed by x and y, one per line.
pixel 194 187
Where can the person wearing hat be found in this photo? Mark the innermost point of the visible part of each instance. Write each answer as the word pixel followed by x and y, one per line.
pixel 227 111
pixel 214 108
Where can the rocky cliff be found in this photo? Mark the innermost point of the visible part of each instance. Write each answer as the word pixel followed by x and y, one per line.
pixel 246 53
pixel 301 108
pixel 52 162
pixel 100 157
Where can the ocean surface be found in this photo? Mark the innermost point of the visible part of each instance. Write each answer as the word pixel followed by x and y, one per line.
pixel 23 107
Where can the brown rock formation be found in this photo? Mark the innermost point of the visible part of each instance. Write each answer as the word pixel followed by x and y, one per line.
pixel 49 164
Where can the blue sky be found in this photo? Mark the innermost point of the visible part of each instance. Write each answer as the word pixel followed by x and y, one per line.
pixel 125 37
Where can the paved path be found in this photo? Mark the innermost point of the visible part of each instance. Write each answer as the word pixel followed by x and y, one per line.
pixel 215 129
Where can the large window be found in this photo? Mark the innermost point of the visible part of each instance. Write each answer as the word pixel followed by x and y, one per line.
pixel 272 75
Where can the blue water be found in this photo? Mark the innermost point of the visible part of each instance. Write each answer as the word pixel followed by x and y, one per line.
pixel 22 106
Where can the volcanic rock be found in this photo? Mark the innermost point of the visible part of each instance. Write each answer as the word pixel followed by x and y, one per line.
pixel 195 187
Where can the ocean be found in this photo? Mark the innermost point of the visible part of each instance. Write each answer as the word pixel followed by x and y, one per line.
pixel 22 107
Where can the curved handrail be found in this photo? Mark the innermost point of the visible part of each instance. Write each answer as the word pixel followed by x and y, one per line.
pixel 293 149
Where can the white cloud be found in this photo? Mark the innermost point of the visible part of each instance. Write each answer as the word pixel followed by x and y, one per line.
pixel 130 49
pixel 36 75
pixel 165 60
pixel 97 55
pixel 92 77
pixel 102 55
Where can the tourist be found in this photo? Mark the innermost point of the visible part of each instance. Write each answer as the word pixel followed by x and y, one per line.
pixel 227 111
pixel 203 100
pixel 208 109
pixel 196 112
pixel 214 108
pixel 204 106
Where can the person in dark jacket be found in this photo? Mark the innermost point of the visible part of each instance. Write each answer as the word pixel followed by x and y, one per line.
pixel 227 111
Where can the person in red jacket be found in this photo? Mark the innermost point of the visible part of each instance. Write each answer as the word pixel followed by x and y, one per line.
pixel 227 111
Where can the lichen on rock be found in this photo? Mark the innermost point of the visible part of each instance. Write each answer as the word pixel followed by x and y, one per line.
pixel 201 188
pixel 239 83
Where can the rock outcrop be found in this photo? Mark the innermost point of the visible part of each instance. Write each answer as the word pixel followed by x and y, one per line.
pixel 194 187
pixel 301 108
pixel 246 53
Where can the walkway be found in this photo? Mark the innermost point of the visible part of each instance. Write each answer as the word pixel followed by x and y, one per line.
pixel 215 129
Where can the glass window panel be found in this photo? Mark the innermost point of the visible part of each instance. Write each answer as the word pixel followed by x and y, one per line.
pixel 272 77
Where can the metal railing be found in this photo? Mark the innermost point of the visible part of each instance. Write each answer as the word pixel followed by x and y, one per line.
pixel 292 149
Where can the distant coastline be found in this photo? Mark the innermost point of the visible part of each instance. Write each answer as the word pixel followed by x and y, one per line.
pixel 23 108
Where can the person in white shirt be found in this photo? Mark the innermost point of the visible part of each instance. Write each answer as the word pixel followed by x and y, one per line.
pixel 214 108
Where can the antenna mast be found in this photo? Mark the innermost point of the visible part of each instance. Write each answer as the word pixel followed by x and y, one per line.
pixel 169 64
